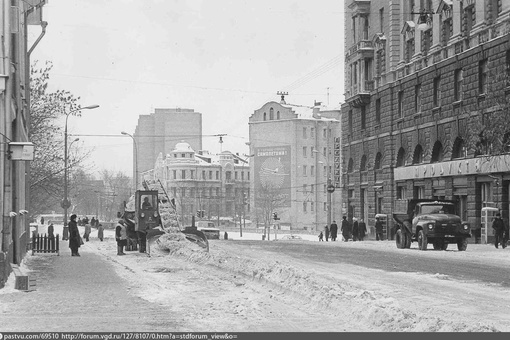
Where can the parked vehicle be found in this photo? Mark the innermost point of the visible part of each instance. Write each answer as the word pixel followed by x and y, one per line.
pixel 430 221
pixel 209 229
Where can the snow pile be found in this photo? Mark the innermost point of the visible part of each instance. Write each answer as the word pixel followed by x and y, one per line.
pixel 368 307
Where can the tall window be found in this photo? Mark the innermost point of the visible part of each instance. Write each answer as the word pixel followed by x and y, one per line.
pixel 183 174
pixel 426 41
pixel 457 91
pixel 401 104
pixel 304 170
pixel 409 49
pixel 469 19
pixel 304 151
pixel 417 98
pixel 437 92
pixel 365 28
pixel 174 173
pixel 447 30
pixel 378 110
pixel 363 117
pixel 304 133
pixel 482 76
pixel 271 114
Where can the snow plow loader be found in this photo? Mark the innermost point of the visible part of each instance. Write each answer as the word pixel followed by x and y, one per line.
pixel 150 213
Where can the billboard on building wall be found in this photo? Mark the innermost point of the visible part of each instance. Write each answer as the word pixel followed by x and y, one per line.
pixel 272 169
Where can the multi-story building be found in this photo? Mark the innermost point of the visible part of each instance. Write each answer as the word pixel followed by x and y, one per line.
pixel 15 17
pixel 216 185
pixel 160 131
pixel 418 76
pixel 296 153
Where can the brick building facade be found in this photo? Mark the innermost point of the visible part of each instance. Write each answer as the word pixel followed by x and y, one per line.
pixel 411 92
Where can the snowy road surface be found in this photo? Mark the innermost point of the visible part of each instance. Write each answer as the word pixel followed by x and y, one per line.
pixel 242 287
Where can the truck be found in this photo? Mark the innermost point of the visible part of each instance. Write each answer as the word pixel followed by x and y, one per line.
pixel 430 221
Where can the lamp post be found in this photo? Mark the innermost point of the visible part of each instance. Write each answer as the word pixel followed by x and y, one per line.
pixel 330 188
pixel 65 202
pixel 136 159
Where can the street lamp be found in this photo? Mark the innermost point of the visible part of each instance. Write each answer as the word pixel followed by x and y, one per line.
pixel 136 158
pixel 330 188
pixel 65 202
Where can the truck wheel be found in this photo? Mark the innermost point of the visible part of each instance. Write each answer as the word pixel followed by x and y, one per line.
pixel 407 238
pixel 462 244
pixel 422 240
pixel 399 239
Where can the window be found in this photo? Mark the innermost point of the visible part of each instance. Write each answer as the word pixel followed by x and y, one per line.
pixel 350 121
pixel 235 175
pixel 459 149
pixel 312 154
pixel 192 174
pixel 482 76
pixel 437 153
pixel 271 114
pixel 304 133
pixel 363 117
pixel 378 110
pixel 401 192
pixel 312 170
pixel 265 116
pixel 217 175
pixel 426 41
pixel 278 115
pixel 203 174
pixel 183 174
pixel 469 19
pixel 457 86
pixel 324 133
pixel 401 157
pixel 210 174
pixel 495 8
pixel 365 28
pixel 447 30
pixel 325 171
pixel 417 98
pixel 325 151
pixel 381 20
pixel 409 51
pixel 312 207
pixel 242 175
pixel 174 173
pixel 401 104
pixel 486 192
pixel 304 170
pixel 304 151
pixel 437 92
pixel 183 192
pixel 418 155
pixel 312 133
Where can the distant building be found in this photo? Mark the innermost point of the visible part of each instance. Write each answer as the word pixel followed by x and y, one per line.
pixel 291 148
pixel 414 79
pixel 217 185
pixel 161 130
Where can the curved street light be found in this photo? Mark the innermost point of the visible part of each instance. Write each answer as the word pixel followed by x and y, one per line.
pixel 135 160
pixel 65 202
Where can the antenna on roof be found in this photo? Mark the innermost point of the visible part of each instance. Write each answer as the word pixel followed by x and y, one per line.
pixel 282 94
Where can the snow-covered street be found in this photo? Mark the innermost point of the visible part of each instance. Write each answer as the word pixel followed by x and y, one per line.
pixel 238 288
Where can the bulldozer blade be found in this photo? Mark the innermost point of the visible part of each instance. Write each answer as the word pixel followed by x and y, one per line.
pixel 198 238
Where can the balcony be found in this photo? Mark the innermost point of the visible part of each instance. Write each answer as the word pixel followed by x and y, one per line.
pixel 363 49
pixel 360 95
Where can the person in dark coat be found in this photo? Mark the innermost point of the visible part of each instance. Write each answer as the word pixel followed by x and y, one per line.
pixel 346 229
pixel 321 237
pixel 378 229
pixel 362 230
pixel 355 230
pixel 326 233
pixel 334 231
pixel 121 236
pixel 74 236
pixel 100 232
pixel 51 235
pixel 499 229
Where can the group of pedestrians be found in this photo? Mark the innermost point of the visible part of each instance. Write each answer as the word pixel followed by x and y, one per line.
pixel 355 231
pixel 500 232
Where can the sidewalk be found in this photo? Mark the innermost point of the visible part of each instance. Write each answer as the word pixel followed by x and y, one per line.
pixel 79 294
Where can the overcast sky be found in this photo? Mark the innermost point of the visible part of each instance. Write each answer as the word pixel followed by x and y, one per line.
pixel 221 58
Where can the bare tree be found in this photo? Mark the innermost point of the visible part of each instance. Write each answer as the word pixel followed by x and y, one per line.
pixel 269 200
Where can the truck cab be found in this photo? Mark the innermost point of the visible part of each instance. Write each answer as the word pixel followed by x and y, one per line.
pixel 147 213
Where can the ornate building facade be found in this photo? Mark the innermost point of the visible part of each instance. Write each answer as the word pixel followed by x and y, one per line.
pixel 418 73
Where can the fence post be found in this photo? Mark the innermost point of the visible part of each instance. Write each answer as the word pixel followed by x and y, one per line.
pixel 57 246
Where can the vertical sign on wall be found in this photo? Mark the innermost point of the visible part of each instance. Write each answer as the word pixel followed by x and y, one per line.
pixel 337 171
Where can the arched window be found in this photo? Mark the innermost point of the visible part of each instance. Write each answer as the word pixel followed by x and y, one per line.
pixel 271 114
pixel 265 116
pixel 418 155
pixel 278 115
pixel 401 157
pixel 363 164
pixel 377 163
pixel 459 148
pixel 350 167
pixel 437 152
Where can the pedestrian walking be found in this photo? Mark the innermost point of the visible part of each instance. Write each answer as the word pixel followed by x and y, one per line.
pixel 378 229
pixel 355 229
pixel 100 232
pixel 326 233
pixel 346 229
pixel 321 237
pixel 362 229
pixel 42 219
pixel 499 230
pixel 93 222
pixel 74 236
pixel 88 230
pixel 334 231
pixel 65 232
pixel 121 236
pixel 51 235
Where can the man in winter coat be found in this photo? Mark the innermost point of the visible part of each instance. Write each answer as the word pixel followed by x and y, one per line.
pixel 378 229
pixel 100 232
pixel 333 230
pixel 74 236
pixel 362 229
pixel 499 229
pixel 355 230
pixel 346 229
pixel 326 233
pixel 121 236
